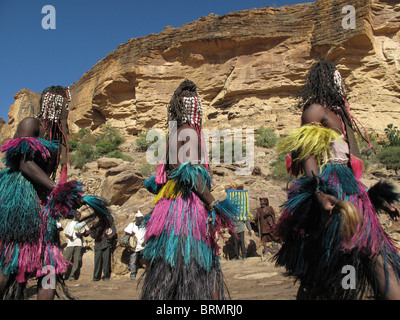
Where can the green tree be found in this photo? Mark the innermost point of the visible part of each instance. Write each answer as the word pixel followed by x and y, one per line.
pixel 108 140
pixel 393 135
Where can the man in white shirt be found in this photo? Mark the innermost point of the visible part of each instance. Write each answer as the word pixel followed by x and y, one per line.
pixel 134 229
pixel 74 231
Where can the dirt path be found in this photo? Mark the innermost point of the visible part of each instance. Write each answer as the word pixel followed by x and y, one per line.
pixel 252 279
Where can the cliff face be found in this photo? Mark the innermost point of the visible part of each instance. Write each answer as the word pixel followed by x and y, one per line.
pixel 248 66
pixel 26 105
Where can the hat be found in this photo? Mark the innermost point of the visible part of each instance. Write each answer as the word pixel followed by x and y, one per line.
pixel 139 214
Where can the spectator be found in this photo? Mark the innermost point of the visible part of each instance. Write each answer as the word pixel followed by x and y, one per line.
pixel 104 239
pixel 136 230
pixel 74 232
pixel 240 227
pixel 265 220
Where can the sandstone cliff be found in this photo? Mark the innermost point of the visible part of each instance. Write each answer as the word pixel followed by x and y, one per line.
pixel 26 105
pixel 248 66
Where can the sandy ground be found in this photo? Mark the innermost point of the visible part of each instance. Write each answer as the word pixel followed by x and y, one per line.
pixel 256 288
pixel 255 278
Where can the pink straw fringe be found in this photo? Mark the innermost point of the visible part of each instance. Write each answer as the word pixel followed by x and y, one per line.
pixel 183 217
pixel 34 143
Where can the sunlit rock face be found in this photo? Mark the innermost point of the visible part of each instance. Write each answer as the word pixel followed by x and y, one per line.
pixel 248 66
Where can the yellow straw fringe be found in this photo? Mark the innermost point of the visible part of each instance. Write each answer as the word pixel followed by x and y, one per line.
pixel 169 191
pixel 310 140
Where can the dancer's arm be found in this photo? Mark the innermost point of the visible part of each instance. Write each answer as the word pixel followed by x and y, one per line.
pixel 29 127
pixel 317 113
pixel 35 174
pixel 392 210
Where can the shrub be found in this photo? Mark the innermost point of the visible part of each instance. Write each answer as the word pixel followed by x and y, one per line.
pixel 390 157
pixel 72 145
pixel 365 149
pixel 83 132
pixel 265 137
pixel 223 146
pixel 119 155
pixel 108 140
pixel 141 143
pixel 83 154
pixel 105 147
pixel 86 147
pixel 369 156
pixel 84 135
pixel 147 169
pixel 279 172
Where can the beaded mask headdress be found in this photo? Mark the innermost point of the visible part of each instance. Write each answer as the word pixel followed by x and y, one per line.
pixel 185 107
pixel 53 100
pixel 194 110
pixel 52 105
pixel 339 82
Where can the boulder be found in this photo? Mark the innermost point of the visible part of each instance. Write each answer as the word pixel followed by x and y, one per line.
pixel 117 189
pixel 107 163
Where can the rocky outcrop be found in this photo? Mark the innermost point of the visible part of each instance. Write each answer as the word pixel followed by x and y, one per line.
pixel 248 67
pixel 121 183
pixel 26 105
pixel 2 123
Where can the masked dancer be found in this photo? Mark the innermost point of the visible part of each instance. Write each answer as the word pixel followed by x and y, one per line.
pixel 182 231
pixel 330 228
pixel 31 204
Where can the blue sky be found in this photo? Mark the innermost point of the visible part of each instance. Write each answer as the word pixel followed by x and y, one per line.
pixel 85 32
